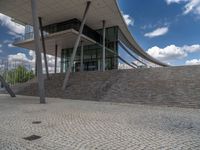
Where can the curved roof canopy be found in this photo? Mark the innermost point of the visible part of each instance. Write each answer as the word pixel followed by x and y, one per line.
pixel 53 11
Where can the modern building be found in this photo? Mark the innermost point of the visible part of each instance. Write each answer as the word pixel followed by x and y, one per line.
pixel 87 35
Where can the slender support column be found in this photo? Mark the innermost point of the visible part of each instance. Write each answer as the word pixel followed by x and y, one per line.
pixel 7 87
pixel 35 66
pixel 44 47
pixel 82 67
pixel 37 51
pixel 76 45
pixel 56 55
pixel 104 47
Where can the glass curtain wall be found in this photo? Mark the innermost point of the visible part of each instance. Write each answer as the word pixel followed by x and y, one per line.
pixel 71 24
pixel 92 58
pixel 28 32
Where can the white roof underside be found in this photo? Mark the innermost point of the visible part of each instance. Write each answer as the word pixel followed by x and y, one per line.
pixel 53 11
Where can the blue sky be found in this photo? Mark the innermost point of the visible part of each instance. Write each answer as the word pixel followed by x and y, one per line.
pixel 178 28
pixel 169 30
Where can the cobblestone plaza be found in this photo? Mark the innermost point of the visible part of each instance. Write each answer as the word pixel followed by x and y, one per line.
pixel 85 125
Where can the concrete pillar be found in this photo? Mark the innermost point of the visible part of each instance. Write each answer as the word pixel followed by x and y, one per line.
pixel 82 65
pixel 56 56
pixel 44 48
pixel 104 47
pixel 37 51
pixel 76 45
pixel 62 61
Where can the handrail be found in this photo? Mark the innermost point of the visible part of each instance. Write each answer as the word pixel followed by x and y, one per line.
pixel 27 36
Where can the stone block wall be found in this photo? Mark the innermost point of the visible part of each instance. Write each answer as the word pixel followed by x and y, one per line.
pixel 172 86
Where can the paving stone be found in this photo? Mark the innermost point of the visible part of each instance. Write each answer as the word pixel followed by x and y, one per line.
pixel 87 125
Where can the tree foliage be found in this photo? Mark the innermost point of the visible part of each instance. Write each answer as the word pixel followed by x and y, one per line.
pixel 18 75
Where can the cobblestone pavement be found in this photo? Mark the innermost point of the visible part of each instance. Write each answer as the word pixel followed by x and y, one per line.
pixel 84 125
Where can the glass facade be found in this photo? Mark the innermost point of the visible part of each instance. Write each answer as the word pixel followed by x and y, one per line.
pixel 72 24
pixel 28 32
pixel 92 58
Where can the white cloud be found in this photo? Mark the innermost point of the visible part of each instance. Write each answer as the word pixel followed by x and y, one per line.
pixel 174 1
pixel 0 45
pixel 124 66
pixel 168 53
pixel 193 62
pixel 7 41
pixel 30 60
pixel 138 63
pixel 18 57
pixel 10 45
pixel 191 6
pixel 172 52
pixel 50 61
pixel 157 32
pixel 14 28
pixel 192 48
pixel 128 19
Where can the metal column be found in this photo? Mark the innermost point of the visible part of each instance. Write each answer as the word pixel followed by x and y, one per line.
pixel 37 51
pixel 76 45
pixel 56 55
pixel 104 47
pixel 35 66
pixel 82 66
pixel 44 47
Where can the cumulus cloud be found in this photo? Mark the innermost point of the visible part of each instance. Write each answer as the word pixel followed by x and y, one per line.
pixel 168 53
pixel 10 45
pixel 192 48
pixel 128 19
pixel 124 66
pixel 174 1
pixel 14 28
pixel 7 41
pixel 193 62
pixel 50 61
pixel 18 57
pixel 139 64
pixel 157 32
pixel 31 58
pixel 173 52
pixel 191 6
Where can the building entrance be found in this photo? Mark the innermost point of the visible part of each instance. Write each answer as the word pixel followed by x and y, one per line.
pixel 88 66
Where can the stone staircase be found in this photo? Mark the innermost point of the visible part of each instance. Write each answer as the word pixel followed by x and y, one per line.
pixel 82 85
pixel 173 86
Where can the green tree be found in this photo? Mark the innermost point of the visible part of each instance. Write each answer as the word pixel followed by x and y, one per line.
pixel 18 75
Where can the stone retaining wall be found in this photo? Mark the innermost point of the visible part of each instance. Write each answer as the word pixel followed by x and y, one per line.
pixel 172 86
